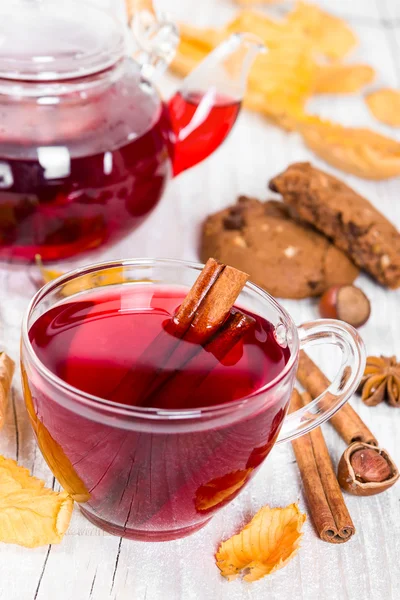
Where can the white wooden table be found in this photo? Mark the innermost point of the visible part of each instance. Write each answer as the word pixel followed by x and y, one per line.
pixel 95 565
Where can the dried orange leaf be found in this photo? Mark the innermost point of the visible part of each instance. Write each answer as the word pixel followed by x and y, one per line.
pixel 361 152
pixel 53 453
pixel 187 57
pixel 220 489
pixel 331 36
pixel 206 38
pixel 384 104
pixel 280 81
pixel 254 2
pixel 265 545
pixel 131 6
pixel 30 514
pixel 83 282
pixel 342 79
pixel 47 274
pixel 7 367
pixel 274 34
pixel 284 78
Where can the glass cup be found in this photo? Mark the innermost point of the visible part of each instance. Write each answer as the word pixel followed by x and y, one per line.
pixel 152 474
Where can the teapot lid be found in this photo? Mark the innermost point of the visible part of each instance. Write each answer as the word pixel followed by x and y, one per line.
pixel 46 40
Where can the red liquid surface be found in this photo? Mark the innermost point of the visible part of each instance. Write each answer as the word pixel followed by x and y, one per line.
pixel 152 483
pixel 200 123
pixel 59 204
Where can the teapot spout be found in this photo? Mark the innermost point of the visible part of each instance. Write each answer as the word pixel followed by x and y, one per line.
pixel 204 110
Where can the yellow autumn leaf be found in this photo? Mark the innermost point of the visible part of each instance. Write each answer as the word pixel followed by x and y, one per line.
pixel 384 104
pixel 272 32
pixel 53 453
pixel 342 79
pixel 264 545
pixel 220 489
pixel 204 38
pixel 254 2
pixel 84 282
pixel 330 35
pixel 13 478
pixel 131 6
pixel 30 514
pixel 358 151
pixel 280 81
pixel 7 367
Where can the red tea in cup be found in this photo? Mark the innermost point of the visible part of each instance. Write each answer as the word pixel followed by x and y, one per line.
pixel 146 481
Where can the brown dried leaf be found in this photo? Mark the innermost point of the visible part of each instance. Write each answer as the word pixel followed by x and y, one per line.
pixel 265 545
pixel 30 514
pixel 220 489
pixel 7 367
pixel 342 79
pixel 331 36
pixel 361 152
pixel 384 104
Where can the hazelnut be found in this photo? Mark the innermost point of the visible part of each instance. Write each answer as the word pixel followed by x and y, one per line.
pixel 347 303
pixel 369 465
pixel 365 470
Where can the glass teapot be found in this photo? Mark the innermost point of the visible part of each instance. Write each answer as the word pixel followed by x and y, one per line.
pixel 86 143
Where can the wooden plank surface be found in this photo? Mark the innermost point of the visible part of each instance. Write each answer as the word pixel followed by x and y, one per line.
pixel 92 565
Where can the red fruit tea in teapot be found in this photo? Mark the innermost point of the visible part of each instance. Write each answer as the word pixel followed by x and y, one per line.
pixel 63 202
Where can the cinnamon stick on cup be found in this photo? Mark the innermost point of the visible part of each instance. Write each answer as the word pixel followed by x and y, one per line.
pixel 204 317
pixel 365 468
pixel 324 497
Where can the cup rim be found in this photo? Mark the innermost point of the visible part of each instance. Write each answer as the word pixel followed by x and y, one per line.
pixel 122 410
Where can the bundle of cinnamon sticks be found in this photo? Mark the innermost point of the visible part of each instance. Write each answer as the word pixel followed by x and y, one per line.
pixel 372 472
pixel 207 320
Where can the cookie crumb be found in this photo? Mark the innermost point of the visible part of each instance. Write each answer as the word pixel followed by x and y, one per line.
pixel 290 251
pixel 239 241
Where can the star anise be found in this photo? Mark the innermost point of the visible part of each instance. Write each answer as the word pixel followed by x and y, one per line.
pixel 381 381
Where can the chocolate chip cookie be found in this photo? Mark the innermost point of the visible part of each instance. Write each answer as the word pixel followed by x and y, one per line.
pixel 286 258
pixel 348 219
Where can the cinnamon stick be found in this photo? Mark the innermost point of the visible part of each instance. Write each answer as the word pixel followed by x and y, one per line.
pixel 346 421
pixel 324 497
pixel 201 314
pixel 7 367
pixel 184 382
pixel 191 304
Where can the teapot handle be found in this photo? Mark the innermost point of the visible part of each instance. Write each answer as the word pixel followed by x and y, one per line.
pixel 155 37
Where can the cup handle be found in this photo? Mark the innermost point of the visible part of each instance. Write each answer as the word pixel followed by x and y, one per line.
pixel 337 333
